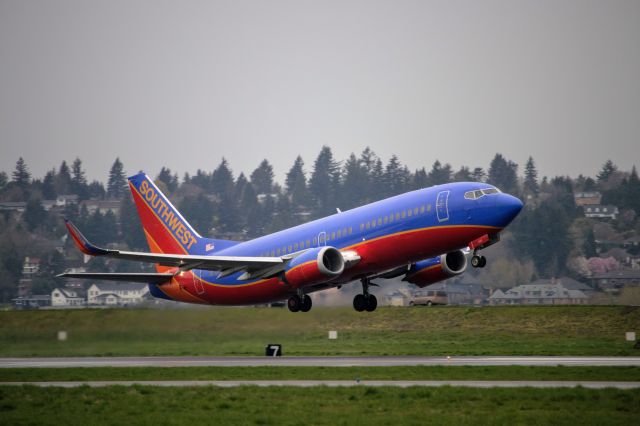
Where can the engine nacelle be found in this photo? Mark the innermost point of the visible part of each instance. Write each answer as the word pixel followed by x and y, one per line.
pixel 314 266
pixel 436 269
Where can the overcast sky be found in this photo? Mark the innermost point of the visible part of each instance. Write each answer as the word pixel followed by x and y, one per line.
pixel 185 83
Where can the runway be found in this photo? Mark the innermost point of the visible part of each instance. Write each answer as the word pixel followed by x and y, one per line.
pixel 341 383
pixel 382 361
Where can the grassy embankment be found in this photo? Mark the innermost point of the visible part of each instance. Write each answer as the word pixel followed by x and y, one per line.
pixel 561 330
pixel 318 406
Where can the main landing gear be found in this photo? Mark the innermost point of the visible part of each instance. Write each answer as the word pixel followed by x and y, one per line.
pixel 365 301
pixel 478 261
pixel 299 303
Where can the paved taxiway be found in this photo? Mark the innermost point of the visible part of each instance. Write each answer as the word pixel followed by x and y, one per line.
pixel 383 361
pixel 342 383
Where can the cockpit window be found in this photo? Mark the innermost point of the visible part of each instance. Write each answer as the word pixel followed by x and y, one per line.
pixel 474 195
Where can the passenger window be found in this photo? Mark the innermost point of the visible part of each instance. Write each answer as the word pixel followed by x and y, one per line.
pixel 415 211
pixel 315 241
pixel 368 225
pixel 350 230
pixel 308 243
pixel 422 209
pixel 289 249
pixel 379 221
pixel 373 223
pixel 344 231
pixel 339 233
pixel 361 226
pixel 333 235
pixel 404 214
pixel 391 218
pixel 295 246
pixel 428 207
pixel 409 213
pixel 385 220
pixel 398 216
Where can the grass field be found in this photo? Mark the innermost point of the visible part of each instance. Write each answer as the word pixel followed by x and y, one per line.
pixel 631 374
pixel 317 406
pixel 554 330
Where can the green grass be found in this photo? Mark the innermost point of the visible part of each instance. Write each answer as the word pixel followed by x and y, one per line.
pixel 322 373
pixel 554 330
pixel 318 406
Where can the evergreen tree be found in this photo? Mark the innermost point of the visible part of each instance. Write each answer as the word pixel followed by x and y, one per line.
pixel 296 183
pixel 478 174
pixel 503 174
pixel 420 179
pixel 96 190
pixel 222 182
pixel 21 176
pixel 439 174
pixel 3 180
pixel 589 247
pixel 262 178
pixel 355 182
pixel 79 184
pixel 63 179
pixel 322 183
pixel 377 181
pixel 531 178
pixel 199 212
pixel 608 169
pixel 202 179
pixel 463 175
pixel 130 225
pixel 170 181
pixel 48 186
pixel 283 216
pixel 632 197
pixel 34 214
pixel 252 211
pixel 117 180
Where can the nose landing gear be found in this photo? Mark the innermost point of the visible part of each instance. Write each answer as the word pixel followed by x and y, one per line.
pixel 478 261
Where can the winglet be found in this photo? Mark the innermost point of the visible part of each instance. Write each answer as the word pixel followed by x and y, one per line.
pixel 82 243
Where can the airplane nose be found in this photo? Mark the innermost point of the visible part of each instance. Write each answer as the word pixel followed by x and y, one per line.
pixel 508 208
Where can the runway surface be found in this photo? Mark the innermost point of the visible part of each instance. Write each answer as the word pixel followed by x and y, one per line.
pixel 382 361
pixel 342 383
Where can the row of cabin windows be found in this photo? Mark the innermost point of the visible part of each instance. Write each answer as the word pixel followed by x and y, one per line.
pixel 292 248
pixel 383 220
pixel 395 217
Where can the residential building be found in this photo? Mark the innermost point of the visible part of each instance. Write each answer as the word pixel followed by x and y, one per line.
pixel 587 198
pixel 598 211
pixel 117 294
pixel 538 294
pixel 614 280
pixel 30 268
pixel 103 206
pixel 36 301
pixel 64 297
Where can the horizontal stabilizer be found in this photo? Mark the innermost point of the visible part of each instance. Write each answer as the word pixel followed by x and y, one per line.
pixel 150 278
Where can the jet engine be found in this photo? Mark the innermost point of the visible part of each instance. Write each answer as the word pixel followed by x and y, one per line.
pixel 436 269
pixel 314 266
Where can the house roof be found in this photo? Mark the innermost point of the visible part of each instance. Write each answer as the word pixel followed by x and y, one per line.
pixel 626 274
pixel 458 288
pixel 113 287
pixel 539 291
pixel 566 282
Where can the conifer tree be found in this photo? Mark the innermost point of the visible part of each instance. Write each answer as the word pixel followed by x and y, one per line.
pixel 323 180
pixel 608 169
pixel 503 174
pixel 21 176
pixel 63 179
pixel 78 180
pixel 117 180
pixel 262 178
pixel 296 184
pixel 531 178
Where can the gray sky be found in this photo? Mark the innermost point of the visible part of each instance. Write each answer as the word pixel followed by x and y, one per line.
pixel 185 83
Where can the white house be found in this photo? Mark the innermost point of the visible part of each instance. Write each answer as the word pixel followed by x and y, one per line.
pixel 66 297
pixel 117 294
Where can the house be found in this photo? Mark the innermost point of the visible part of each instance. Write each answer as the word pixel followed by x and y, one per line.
pixel 117 294
pixel 13 206
pixel 598 211
pixel 30 268
pixel 568 283
pixel 63 297
pixel 459 293
pixel 587 198
pixel 103 206
pixel 36 301
pixel 614 280
pixel 538 294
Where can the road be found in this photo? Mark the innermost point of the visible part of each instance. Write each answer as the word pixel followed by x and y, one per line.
pixel 341 383
pixel 391 361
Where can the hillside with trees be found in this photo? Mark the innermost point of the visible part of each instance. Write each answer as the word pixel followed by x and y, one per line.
pixel 551 237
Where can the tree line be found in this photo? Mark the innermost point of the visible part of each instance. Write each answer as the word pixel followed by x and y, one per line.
pixel 221 204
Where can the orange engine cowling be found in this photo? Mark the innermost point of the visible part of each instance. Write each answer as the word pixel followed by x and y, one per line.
pixel 436 269
pixel 314 266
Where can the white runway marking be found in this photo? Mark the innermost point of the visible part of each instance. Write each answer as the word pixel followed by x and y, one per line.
pixel 381 361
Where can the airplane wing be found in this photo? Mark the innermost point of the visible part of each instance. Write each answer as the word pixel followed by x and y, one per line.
pixel 185 262
pixel 126 277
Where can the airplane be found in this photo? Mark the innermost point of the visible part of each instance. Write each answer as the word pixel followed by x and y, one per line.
pixel 424 236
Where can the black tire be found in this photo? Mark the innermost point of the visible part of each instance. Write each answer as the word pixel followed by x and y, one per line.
pixel 372 303
pixel 476 261
pixel 359 303
pixel 294 303
pixel 483 261
pixel 306 304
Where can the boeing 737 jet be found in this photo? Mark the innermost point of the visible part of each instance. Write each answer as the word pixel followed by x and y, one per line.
pixel 423 236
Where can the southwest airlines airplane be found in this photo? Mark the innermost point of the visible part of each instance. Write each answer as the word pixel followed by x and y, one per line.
pixel 423 235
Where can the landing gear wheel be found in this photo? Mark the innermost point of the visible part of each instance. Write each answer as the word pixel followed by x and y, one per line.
pixel 372 303
pixel 359 303
pixel 478 261
pixel 295 303
pixel 306 303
